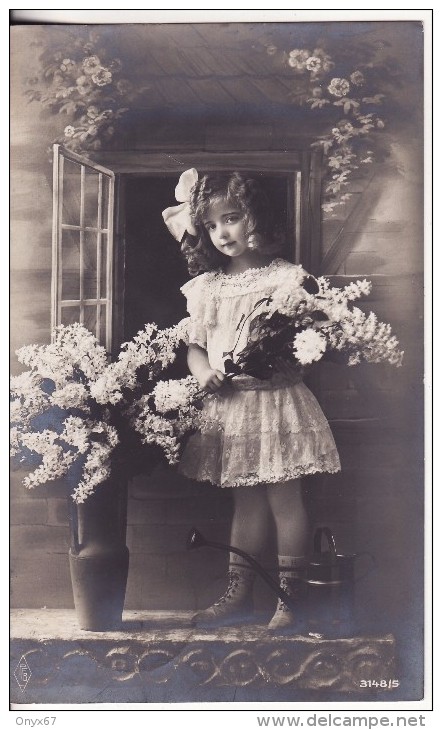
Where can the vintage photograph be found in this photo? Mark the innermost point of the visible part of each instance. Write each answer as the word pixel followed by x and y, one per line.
pixel 217 361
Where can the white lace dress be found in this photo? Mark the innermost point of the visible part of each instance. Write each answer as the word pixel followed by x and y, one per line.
pixel 270 430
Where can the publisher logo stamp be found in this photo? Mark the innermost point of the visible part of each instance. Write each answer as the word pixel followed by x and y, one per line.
pixel 22 673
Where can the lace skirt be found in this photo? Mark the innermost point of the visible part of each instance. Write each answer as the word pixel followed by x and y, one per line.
pixel 265 432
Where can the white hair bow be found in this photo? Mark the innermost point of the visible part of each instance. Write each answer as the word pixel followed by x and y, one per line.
pixel 177 218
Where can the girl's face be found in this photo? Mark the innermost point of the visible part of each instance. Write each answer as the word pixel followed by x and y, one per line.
pixel 225 224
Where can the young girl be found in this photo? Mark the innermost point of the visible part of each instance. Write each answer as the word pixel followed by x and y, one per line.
pixel 272 432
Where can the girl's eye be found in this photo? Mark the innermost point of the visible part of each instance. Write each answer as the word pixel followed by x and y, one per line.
pixel 210 226
pixel 233 219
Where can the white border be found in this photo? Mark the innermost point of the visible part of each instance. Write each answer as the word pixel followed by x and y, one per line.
pixel 214 713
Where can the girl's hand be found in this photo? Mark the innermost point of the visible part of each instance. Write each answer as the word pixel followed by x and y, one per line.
pixel 211 380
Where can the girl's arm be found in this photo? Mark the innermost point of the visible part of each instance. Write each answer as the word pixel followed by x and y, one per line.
pixel 198 362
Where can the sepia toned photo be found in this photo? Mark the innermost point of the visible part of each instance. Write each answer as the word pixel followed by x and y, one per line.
pixel 217 361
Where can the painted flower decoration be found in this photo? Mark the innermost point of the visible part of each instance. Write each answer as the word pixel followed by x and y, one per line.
pixel 357 78
pixel 91 64
pixel 298 59
pixel 85 81
pixel 339 87
pixel 66 64
pixel 102 76
pixel 313 64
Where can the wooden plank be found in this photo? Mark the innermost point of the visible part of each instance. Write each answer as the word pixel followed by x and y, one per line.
pixel 168 60
pixel 343 243
pixel 242 90
pixel 172 162
pixel 229 35
pixel 225 61
pixel 271 88
pixel 253 62
pixel 305 251
pixel 151 67
pixel 238 137
pixel 175 34
pixel 314 203
pixel 200 62
pixel 210 91
pixel 176 91
pixel 155 98
pixel 166 136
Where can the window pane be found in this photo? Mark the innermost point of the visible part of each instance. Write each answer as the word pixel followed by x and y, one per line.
pixel 103 283
pixel 105 201
pixel 71 193
pixel 90 198
pixel 102 327
pixel 69 315
pixel 90 265
pixel 70 265
pixel 90 317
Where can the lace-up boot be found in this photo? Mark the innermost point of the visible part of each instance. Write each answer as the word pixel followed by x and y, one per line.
pixel 291 572
pixel 237 601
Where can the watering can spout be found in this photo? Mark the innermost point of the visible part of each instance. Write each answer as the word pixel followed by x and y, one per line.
pixel 195 539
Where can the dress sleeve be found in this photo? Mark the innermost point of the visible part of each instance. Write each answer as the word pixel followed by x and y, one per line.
pixel 196 293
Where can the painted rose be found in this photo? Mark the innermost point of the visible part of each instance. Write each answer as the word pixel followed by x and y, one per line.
pixel 102 76
pixel 357 78
pixel 91 64
pixel 298 58
pixel 313 64
pixel 339 87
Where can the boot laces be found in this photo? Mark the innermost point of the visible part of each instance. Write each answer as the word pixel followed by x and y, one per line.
pixel 287 585
pixel 231 589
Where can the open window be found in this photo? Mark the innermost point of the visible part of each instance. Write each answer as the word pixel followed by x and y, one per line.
pixel 82 250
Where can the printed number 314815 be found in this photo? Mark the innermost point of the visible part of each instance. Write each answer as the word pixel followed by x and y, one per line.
pixel 381 683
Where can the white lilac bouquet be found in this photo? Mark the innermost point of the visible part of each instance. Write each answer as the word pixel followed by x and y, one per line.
pixel 308 322
pixel 74 414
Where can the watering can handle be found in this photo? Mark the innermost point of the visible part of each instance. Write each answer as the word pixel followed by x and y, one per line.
pixel 317 540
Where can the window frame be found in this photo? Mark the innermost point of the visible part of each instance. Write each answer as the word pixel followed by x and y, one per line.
pixel 60 154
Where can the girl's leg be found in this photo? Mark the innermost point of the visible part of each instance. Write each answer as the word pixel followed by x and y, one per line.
pixel 248 533
pixel 250 519
pixel 290 517
pixel 291 523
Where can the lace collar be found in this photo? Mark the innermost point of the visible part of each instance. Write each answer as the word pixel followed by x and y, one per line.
pixel 252 272
pixel 250 280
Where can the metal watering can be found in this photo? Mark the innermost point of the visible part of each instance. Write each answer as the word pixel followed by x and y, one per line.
pixel 329 579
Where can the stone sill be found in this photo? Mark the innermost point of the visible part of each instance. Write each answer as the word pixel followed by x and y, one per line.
pixel 158 656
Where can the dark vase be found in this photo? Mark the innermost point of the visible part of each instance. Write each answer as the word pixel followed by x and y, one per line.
pixel 98 557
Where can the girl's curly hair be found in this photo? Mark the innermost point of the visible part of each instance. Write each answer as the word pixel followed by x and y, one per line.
pixel 245 194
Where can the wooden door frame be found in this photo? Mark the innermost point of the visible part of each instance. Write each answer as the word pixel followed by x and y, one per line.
pixel 302 169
